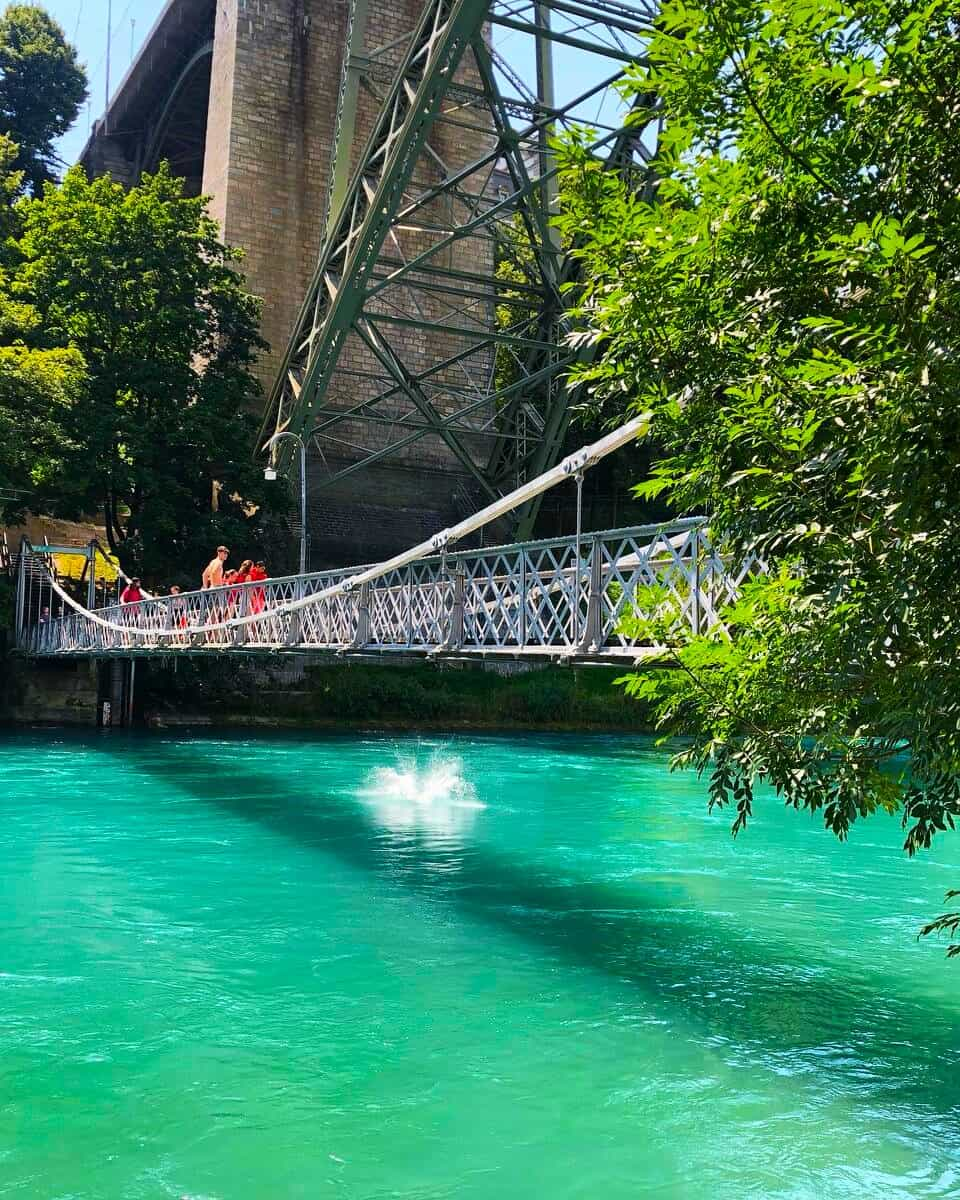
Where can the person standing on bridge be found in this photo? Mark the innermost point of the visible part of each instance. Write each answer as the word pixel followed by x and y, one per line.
pixel 213 572
pixel 131 599
pixel 213 578
pixel 131 594
pixel 258 599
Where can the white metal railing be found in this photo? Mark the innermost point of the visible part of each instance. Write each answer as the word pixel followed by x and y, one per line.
pixel 558 597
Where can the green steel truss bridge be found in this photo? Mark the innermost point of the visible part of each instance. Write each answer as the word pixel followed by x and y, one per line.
pixel 561 600
pixel 436 310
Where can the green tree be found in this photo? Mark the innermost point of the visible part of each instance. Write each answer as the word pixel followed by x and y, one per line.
pixel 138 284
pixel 42 87
pixel 788 309
pixel 39 392
pixel 38 387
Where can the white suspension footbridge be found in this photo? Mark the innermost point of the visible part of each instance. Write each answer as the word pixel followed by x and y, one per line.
pixel 561 599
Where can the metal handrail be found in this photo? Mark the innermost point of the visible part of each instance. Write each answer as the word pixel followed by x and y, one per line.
pixel 563 595
pixel 572 467
pixel 538 598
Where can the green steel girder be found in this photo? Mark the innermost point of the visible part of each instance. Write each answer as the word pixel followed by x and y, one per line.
pixel 565 40
pixel 360 226
pixel 383 350
pixel 418 431
pixel 347 109
pixel 416 234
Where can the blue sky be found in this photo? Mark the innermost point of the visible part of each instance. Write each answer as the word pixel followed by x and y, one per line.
pixel 85 24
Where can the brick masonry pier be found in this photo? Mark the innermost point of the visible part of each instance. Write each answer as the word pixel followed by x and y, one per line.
pixel 241 97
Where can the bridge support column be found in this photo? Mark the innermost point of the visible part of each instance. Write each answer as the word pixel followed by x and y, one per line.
pixel 21 624
pixel 92 574
pixel 131 683
pixel 116 694
pixel 117 707
pixel 522 593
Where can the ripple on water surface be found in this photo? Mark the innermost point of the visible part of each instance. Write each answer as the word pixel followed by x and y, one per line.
pixel 477 968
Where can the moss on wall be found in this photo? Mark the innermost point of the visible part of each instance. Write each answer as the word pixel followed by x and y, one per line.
pixel 47 693
pixel 354 694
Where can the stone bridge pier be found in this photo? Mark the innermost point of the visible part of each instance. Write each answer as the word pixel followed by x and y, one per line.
pixel 241 97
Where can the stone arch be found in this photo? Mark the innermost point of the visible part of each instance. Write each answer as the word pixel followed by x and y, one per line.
pixel 179 133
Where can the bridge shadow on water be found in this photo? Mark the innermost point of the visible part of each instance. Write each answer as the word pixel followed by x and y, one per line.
pixel 754 1002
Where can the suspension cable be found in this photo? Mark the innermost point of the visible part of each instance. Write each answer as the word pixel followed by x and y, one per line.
pixel 573 465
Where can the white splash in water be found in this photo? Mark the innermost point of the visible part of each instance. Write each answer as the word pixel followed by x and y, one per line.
pixel 433 798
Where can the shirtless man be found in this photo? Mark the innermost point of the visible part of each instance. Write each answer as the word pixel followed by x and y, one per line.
pixel 213 578
pixel 213 572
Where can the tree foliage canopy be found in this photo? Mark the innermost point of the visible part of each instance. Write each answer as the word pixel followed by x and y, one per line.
pixel 127 338
pixel 38 387
pixel 138 285
pixel 42 87
pixel 788 309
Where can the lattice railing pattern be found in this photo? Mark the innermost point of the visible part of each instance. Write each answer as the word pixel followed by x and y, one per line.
pixel 563 597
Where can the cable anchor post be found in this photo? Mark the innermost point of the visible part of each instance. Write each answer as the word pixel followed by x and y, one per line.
pixel 578 572
pixel 457 578
pixel 363 632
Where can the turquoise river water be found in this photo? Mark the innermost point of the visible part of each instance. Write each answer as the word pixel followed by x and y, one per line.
pixel 482 968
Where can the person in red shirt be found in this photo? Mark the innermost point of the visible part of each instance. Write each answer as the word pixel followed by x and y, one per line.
pixel 233 594
pixel 258 595
pixel 131 594
pixel 238 601
pixel 131 598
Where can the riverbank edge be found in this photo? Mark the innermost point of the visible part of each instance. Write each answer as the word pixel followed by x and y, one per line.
pixel 187 721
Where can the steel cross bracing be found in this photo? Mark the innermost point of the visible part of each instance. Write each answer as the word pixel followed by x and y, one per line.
pixel 561 599
pixel 436 310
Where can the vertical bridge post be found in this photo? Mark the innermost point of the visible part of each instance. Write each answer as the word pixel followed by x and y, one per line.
pixel 92 573
pixel 21 592
pixel 293 631
pixel 696 615
pixel 240 631
pixel 522 621
pixel 454 638
pixel 362 635
pixel 593 626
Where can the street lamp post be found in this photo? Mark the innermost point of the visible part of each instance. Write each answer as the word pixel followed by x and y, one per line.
pixel 270 473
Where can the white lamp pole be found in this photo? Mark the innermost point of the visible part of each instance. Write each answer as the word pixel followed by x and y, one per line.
pixel 270 473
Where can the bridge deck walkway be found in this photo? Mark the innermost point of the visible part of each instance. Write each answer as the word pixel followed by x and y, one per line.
pixel 562 599
pixel 576 598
